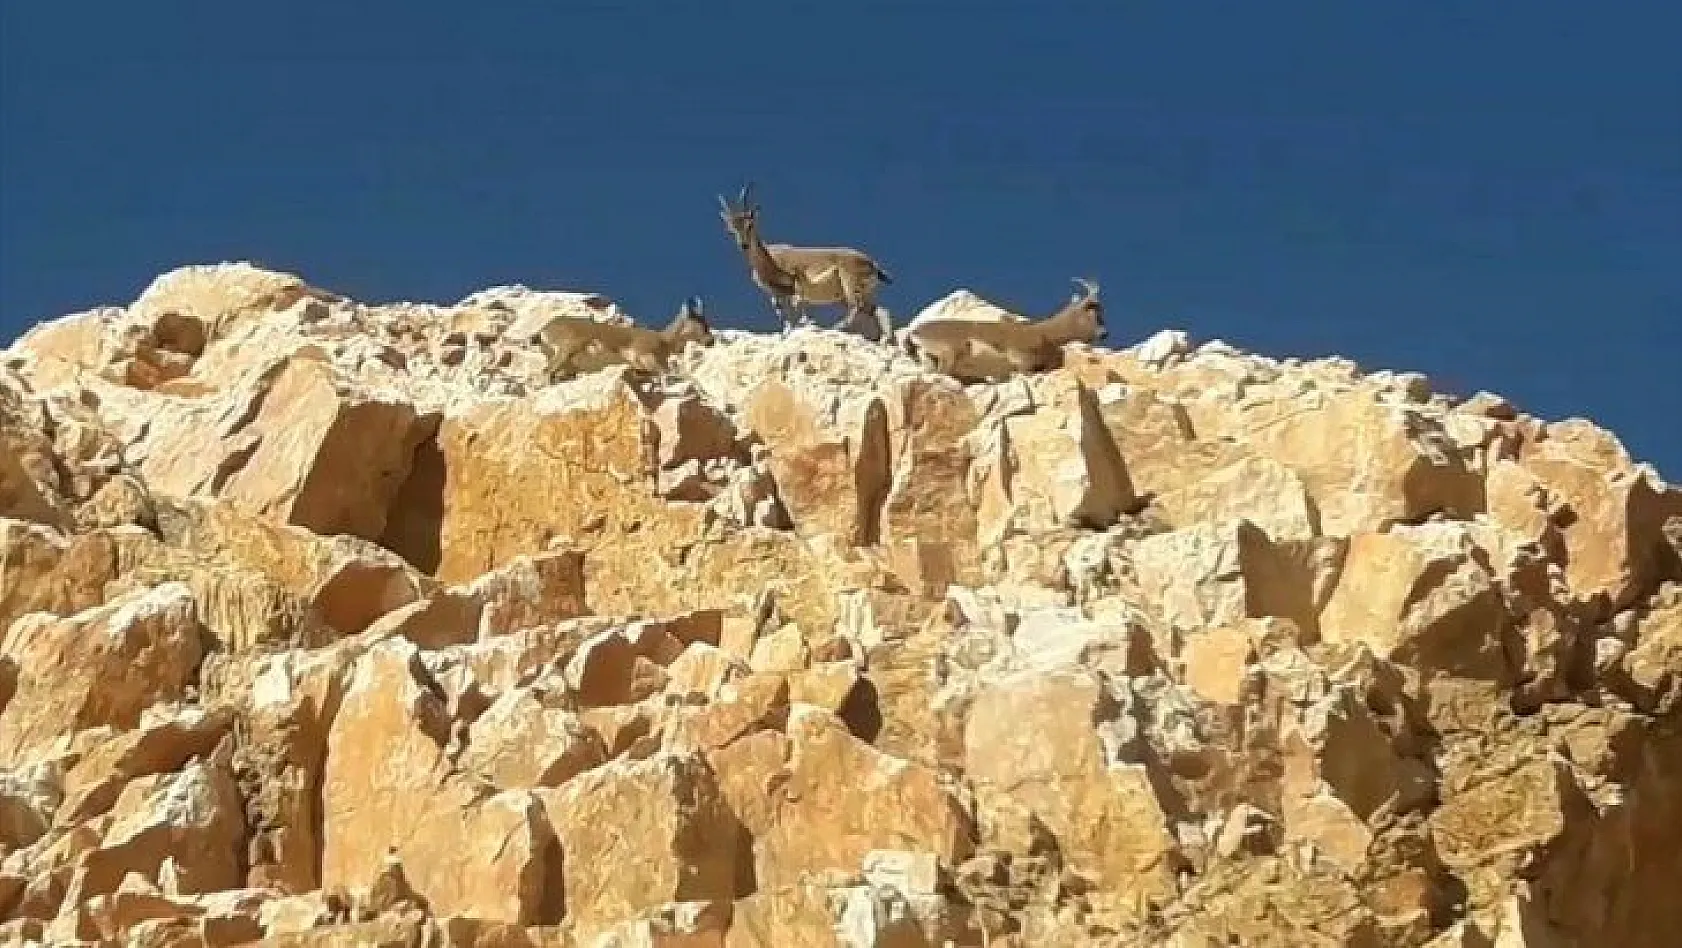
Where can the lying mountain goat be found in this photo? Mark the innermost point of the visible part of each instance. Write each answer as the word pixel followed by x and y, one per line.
pixel 942 345
pixel 646 350
pixel 794 277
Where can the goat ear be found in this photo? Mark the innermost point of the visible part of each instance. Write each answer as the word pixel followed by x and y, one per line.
pixel 725 204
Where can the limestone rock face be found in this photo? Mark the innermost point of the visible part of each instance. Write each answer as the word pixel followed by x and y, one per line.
pixel 297 445
pixel 326 623
pixel 1421 596
pixel 842 799
pixel 104 666
pixel 1610 512
pixel 668 809
pixel 1048 744
pixel 388 787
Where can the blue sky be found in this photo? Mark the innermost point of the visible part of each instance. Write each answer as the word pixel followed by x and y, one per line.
pixel 1489 193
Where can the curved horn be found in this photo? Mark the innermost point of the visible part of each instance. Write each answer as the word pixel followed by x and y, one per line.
pixel 724 204
pixel 747 187
pixel 1090 286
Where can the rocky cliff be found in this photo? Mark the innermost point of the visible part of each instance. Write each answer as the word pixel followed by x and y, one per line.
pixel 331 624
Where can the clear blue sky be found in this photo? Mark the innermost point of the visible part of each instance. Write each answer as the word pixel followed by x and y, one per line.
pixel 1490 193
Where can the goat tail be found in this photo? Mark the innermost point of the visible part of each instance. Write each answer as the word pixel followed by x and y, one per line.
pixel 881 274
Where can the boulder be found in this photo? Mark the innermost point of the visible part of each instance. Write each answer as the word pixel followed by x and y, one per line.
pixel 103 666
pixel 669 810
pixel 1050 744
pixel 842 798
pixel 388 787
pixel 298 445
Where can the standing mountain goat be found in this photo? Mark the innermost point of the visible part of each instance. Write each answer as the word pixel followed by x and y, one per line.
pixel 646 350
pixel 942 345
pixel 795 277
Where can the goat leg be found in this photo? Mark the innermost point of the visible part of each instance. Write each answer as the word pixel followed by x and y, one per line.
pixel 884 327
pixel 780 304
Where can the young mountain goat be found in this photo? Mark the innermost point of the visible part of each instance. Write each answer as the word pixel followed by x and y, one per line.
pixel 646 350
pixel 795 277
pixel 942 345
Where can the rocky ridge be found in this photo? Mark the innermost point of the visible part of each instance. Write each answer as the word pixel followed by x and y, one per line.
pixel 333 624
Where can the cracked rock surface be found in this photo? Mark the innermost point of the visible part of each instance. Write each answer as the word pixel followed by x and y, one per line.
pixel 330 623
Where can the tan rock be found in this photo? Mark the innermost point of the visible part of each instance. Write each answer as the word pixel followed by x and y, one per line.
pixel 1278 902
pixel 102 666
pixel 299 446
pixel 28 476
pixel 1259 490
pixel 843 798
pixel 1057 466
pixel 781 651
pixel 1154 433
pixel 28 799
pixel 121 501
pixel 131 911
pixel 62 349
pixel 391 931
pixel 828 455
pixel 142 347
pixel 295 913
pixel 1654 666
pixel 1611 513
pixel 1529 816
pixel 642 556
pixel 163 746
pixel 1519 504
pixel 289 702
pixel 703 670
pixel 668 809
pixel 216 295
pixel 387 774
pixel 964 304
pixel 1421 596
pixel 620 728
pixel 1401 466
pixel 1331 827
pixel 263 584
pixel 802 579
pixel 530 591
pixel 1335 744
pixel 575 452
pixel 442 619
pixel 1039 740
pixel 696 924
pixel 604 669
pixel 192 821
pixel 520 742
pixel 1216 663
pixel 689 428
pixel 41 570
pixel 487 857
pixel 929 518
pixel 760 655
pixel 743 706
pixel 812 915
pixel 751 771
pixel 836 687
pixel 1222 572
